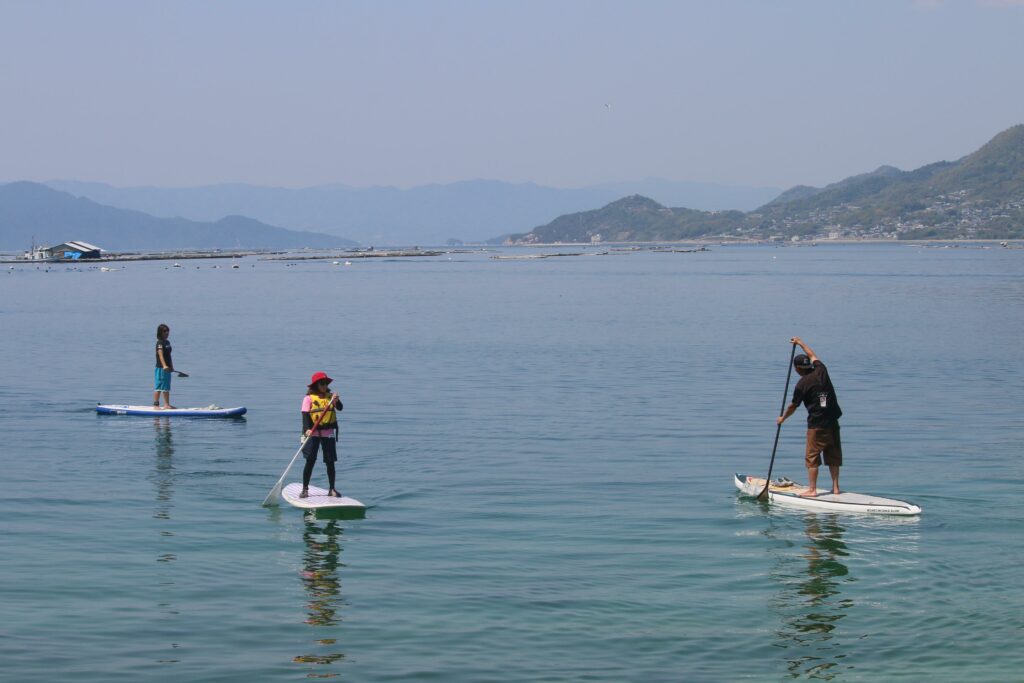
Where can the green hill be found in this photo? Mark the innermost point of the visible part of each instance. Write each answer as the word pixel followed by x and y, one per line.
pixel 634 219
pixel 980 196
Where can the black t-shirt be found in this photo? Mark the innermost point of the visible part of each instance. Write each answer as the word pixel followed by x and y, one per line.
pixel 816 392
pixel 166 346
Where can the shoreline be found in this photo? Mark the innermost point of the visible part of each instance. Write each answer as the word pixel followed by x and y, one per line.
pixel 1011 243
pixel 149 256
pixel 701 244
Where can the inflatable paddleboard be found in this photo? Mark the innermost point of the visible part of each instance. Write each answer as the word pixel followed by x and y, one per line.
pixel 318 499
pixel 829 502
pixel 153 411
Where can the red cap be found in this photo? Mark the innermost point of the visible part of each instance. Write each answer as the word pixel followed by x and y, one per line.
pixel 319 376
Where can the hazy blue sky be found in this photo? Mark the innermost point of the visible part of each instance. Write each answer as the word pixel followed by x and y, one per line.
pixel 562 93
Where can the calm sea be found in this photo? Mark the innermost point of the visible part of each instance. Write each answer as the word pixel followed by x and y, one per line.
pixel 546 448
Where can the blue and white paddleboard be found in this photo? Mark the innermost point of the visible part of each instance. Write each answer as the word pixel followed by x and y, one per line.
pixel 318 499
pixel 789 495
pixel 153 411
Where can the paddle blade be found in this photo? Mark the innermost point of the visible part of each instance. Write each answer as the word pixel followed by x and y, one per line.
pixel 273 498
pixel 182 374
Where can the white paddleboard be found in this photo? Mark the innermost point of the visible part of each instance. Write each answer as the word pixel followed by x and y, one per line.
pixel 153 411
pixel 318 499
pixel 831 502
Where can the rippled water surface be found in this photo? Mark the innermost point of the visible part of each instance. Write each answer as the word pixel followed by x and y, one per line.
pixel 546 448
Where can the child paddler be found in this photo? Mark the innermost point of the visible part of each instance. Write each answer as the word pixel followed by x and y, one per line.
pixel 321 405
pixel 164 367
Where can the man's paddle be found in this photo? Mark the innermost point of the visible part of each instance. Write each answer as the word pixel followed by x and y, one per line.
pixel 778 427
pixel 275 493
pixel 180 373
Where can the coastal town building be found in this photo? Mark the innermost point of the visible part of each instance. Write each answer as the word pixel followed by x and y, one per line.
pixel 73 250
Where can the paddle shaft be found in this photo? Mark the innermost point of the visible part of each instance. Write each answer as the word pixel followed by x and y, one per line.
pixel 276 491
pixel 778 427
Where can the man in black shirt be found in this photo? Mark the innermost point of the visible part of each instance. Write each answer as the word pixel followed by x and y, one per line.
pixel 816 392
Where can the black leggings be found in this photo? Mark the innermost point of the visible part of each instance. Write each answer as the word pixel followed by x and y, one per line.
pixel 307 472
pixel 312 445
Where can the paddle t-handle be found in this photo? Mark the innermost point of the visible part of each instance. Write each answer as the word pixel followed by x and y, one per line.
pixel 778 427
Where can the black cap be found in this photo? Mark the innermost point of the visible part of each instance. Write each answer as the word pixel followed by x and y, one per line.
pixel 802 362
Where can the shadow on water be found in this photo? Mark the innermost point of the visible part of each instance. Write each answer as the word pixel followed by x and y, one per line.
pixel 163 480
pixel 810 603
pixel 321 580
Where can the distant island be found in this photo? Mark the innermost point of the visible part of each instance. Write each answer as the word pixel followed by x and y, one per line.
pixel 31 213
pixel 469 211
pixel 980 196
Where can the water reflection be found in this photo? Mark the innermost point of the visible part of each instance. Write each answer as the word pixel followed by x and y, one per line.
pixel 163 473
pixel 163 480
pixel 321 580
pixel 811 605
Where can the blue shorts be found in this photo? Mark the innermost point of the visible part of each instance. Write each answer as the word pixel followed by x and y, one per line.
pixel 162 380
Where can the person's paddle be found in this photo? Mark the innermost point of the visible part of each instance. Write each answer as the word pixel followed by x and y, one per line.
pixel 275 492
pixel 778 427
pixel 180 373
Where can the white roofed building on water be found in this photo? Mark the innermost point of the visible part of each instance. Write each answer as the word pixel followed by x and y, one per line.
pixel 73 250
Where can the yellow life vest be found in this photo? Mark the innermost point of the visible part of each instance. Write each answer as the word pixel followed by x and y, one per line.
pixel 319 405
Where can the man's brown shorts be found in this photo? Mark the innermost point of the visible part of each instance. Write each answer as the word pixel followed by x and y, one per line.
pixel 824 441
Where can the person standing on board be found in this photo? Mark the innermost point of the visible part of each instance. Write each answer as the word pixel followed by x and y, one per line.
pixel 816 392
pixel 319 404
pixel 164 367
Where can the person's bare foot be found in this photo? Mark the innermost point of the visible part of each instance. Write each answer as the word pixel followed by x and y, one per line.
pixel 811 493
pixel 170 407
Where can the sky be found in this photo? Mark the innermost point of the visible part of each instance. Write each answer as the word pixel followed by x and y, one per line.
pixel 564 93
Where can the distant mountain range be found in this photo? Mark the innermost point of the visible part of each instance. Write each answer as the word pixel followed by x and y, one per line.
pixel 470 211
pixel 977 197
pixel 30 211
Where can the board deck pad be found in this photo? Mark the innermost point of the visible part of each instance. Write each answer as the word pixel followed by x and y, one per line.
pixel 318 499
pixel 825 499
pixel 153 411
